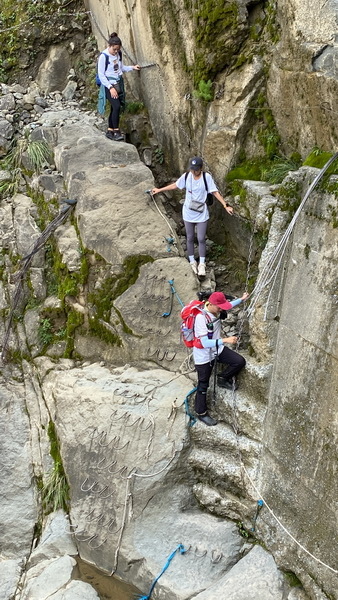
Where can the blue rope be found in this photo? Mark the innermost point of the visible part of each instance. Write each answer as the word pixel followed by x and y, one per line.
pixel 192 419
pixel 179 548
pixel 260 505
pixel 173 293
pixel 170 240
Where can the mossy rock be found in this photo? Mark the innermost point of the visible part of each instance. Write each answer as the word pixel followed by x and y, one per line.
pixel 318 159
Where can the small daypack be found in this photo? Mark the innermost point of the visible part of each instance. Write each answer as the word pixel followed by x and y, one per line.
pixel 188 315
pixel 210 197
pixel 97 79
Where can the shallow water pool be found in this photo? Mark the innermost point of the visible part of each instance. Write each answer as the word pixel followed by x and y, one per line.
pixel 107 587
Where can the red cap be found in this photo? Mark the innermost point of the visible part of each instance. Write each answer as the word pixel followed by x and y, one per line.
pixel 219 300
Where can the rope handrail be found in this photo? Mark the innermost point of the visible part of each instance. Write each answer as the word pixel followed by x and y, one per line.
pixel 270 270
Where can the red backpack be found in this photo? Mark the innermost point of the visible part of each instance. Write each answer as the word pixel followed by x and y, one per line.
pixel 188 314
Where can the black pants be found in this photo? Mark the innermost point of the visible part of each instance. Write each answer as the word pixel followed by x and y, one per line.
pixel 115 107
pixel 235 363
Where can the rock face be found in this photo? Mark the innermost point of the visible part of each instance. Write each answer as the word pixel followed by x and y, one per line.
pixel 296 40
pixel 97 355
pixel 302 75
pixel 299 439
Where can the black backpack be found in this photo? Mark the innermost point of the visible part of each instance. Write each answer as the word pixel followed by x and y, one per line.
pixel 210 197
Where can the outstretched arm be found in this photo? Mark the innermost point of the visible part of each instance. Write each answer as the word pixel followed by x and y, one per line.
pixel 166 188
pixel 239 300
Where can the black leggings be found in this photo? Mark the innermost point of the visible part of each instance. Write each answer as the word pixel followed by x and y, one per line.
pixel 115 107
pixel 235 363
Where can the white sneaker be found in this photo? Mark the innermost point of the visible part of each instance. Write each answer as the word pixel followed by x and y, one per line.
pixel 194 267
pixel 201 270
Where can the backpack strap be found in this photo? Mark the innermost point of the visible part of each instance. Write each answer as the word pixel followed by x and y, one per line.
pixel 106 60
pixel 205 182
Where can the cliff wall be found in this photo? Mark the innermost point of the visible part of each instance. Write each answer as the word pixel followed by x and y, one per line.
pixel 95 376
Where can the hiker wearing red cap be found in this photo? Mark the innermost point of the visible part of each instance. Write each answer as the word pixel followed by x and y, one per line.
pixel 208 330
pixel 198 186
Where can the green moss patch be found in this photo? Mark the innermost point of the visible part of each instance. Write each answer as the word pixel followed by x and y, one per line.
pixel 318 159
pixel 113 286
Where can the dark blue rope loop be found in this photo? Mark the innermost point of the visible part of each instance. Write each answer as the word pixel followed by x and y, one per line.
pixel 173 293
pixel 192 419
pixel 260 505
pixel 180 548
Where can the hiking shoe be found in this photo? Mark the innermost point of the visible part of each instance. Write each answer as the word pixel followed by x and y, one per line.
pixel 207 420
pixel 194 267
pixel 227 383
pixel 118 136
pixel 201 270
pixel 110 135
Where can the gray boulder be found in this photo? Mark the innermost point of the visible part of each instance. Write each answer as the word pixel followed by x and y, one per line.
pixel 53 71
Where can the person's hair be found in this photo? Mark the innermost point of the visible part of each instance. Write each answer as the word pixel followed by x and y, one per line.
pixel 114 39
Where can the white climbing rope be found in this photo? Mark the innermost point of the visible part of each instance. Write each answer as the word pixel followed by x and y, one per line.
pixel 260 496
pixel 235 410
pixel 270 271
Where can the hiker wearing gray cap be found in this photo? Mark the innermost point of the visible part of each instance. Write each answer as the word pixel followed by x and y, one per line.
pixel 199 185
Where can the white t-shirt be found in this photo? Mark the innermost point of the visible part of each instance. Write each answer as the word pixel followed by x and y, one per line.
pixel 115 68
pixel 205 355
pixel 195 190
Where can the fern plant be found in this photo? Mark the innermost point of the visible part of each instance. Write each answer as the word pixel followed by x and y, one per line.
pixel 204 91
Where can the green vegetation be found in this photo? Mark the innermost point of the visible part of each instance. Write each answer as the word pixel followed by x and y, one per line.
pixel 245 533
pixel 74 320
pixel 47 211
pixel 26 156
pixel 263 169
pixel 24 30
pixel 55 490
pixel 250 169
pixel 38 153
pixel 318 158
pixel 45 333
pixel 215 23
pixel 159 156
pixel 165 25
pixel 334 215
pixel 279 167
pixel 217 252
pixel 134 108
pixel 113 287
pixel 289 196
pixel 271 25
pixel 204 91
pixel 267 132
pixel 292 579
pixel 59 280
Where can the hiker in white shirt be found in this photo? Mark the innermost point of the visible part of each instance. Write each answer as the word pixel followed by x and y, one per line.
pixel 195 210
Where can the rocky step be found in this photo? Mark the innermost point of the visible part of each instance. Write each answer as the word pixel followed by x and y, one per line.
pixel 241 412
pixel 255 380
pixel 219 471
pixel 224 504
pixel 223 441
